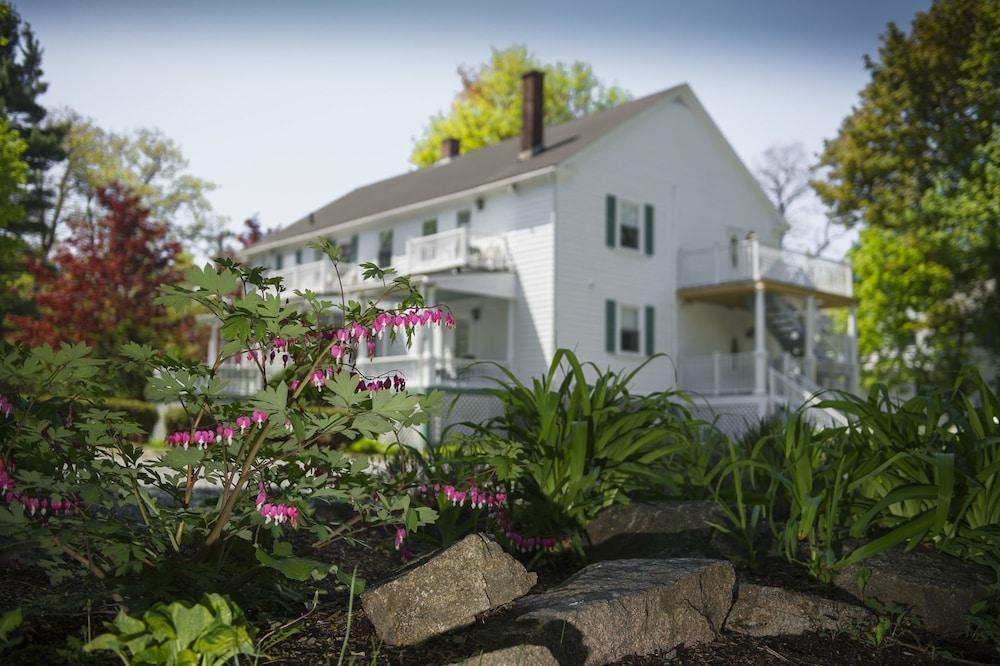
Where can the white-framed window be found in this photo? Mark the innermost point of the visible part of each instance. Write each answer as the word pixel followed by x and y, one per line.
pixel 629 227
pixel 463 218
pixel 429 227
pixel 629 329
pixel 298 256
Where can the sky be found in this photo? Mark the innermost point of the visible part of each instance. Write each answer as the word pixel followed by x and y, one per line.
pixel 287 105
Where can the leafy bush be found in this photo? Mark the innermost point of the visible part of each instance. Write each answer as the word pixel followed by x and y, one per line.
pixel 176 418
pixel 210 633
pixel 567 447
pixel 142 413
pixel 900 474
pixel 79 488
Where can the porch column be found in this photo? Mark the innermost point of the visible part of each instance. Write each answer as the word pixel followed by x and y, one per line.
pixel 760 340
pixel 810 346
pixel 852 349
pixel 213 341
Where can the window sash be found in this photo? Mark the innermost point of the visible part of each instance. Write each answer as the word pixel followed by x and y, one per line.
pixel 628 332
pixel 629 233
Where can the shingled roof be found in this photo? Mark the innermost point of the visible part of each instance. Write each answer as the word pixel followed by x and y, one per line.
pixel 467 171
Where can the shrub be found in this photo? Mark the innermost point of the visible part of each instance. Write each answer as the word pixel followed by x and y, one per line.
pixel 176 418
pixel 565 448
pixel 142 413
pixel 78 487
pixel 925 471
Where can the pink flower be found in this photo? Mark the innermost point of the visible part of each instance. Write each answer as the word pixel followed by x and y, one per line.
pixel 5 406
pixel 288 425
pixel 261 496
pixel 337 351
pixel 400 537
pixel 449 321
pixel 294 384
pixel 243 422
pixel 259 417
pixel 318 378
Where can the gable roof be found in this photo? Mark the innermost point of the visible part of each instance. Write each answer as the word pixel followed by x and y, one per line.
pixel 467 171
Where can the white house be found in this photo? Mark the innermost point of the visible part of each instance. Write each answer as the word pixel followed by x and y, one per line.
pixel 628 232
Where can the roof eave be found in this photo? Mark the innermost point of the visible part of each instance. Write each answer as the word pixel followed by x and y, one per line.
pixel 265 246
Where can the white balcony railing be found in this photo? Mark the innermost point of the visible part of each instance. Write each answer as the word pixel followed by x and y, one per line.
pixel 447 250
pixel 455 248
pixel 734 374
pixel 752 260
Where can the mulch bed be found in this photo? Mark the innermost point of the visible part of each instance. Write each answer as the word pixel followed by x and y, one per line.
pixel 319 636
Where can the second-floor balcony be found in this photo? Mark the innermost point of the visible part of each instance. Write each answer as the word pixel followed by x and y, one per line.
pixel 752 261
pixel 445 251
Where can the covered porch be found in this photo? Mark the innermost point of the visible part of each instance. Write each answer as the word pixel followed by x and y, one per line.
pixel 750 310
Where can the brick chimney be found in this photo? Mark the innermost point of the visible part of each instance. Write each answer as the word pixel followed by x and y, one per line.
pixel 532 114
pixel 449 148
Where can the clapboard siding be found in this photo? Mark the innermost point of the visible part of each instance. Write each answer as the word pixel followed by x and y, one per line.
pixel 670 158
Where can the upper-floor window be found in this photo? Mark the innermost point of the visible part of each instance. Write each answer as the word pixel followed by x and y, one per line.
pixel 629 329
pixel 629 224
pixel 298 256
pixel 464 218
pixel 385 248
pixel 429 227
pixel 279 261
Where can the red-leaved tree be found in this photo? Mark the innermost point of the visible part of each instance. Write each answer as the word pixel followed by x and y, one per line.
pixel 102 283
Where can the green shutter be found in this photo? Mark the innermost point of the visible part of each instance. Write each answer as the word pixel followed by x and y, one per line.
pixel 610 208
pixel 649 229
pixel 354 249
pixel 650 330
pixel 610 310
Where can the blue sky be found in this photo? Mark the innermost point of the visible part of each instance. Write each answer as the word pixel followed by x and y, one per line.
pixel 287 105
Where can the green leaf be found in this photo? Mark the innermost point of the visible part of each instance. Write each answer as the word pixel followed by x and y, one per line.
pixel 9 621
pixel 296 568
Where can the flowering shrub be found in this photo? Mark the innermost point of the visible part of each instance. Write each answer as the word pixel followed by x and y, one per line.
pixel 78 485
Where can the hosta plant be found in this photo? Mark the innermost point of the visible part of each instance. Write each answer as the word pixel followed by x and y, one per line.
pixel 77 483
pixel 212 632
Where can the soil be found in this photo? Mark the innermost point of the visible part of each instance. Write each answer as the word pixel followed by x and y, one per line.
pixel 321 635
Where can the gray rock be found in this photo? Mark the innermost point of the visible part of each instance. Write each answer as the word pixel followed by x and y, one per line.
pixel 760 610
pixel 654 529
pixel 628 607
pixel 517 655
pixel 471 577
pixel 938 588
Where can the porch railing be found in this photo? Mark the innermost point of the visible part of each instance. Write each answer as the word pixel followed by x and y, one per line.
pixel 718 374
pixel 732 374
pixel 753 260
pixel 455 248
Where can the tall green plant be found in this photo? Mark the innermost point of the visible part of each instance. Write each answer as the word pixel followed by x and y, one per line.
pixel 573 445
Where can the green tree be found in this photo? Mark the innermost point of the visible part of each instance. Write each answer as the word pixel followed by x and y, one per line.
pixel 145 162
pixel 913 163
pixel 20 86
pixel 488 108
pixel 13 173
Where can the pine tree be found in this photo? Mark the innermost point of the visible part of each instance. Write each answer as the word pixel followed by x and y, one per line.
pixel 21 85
